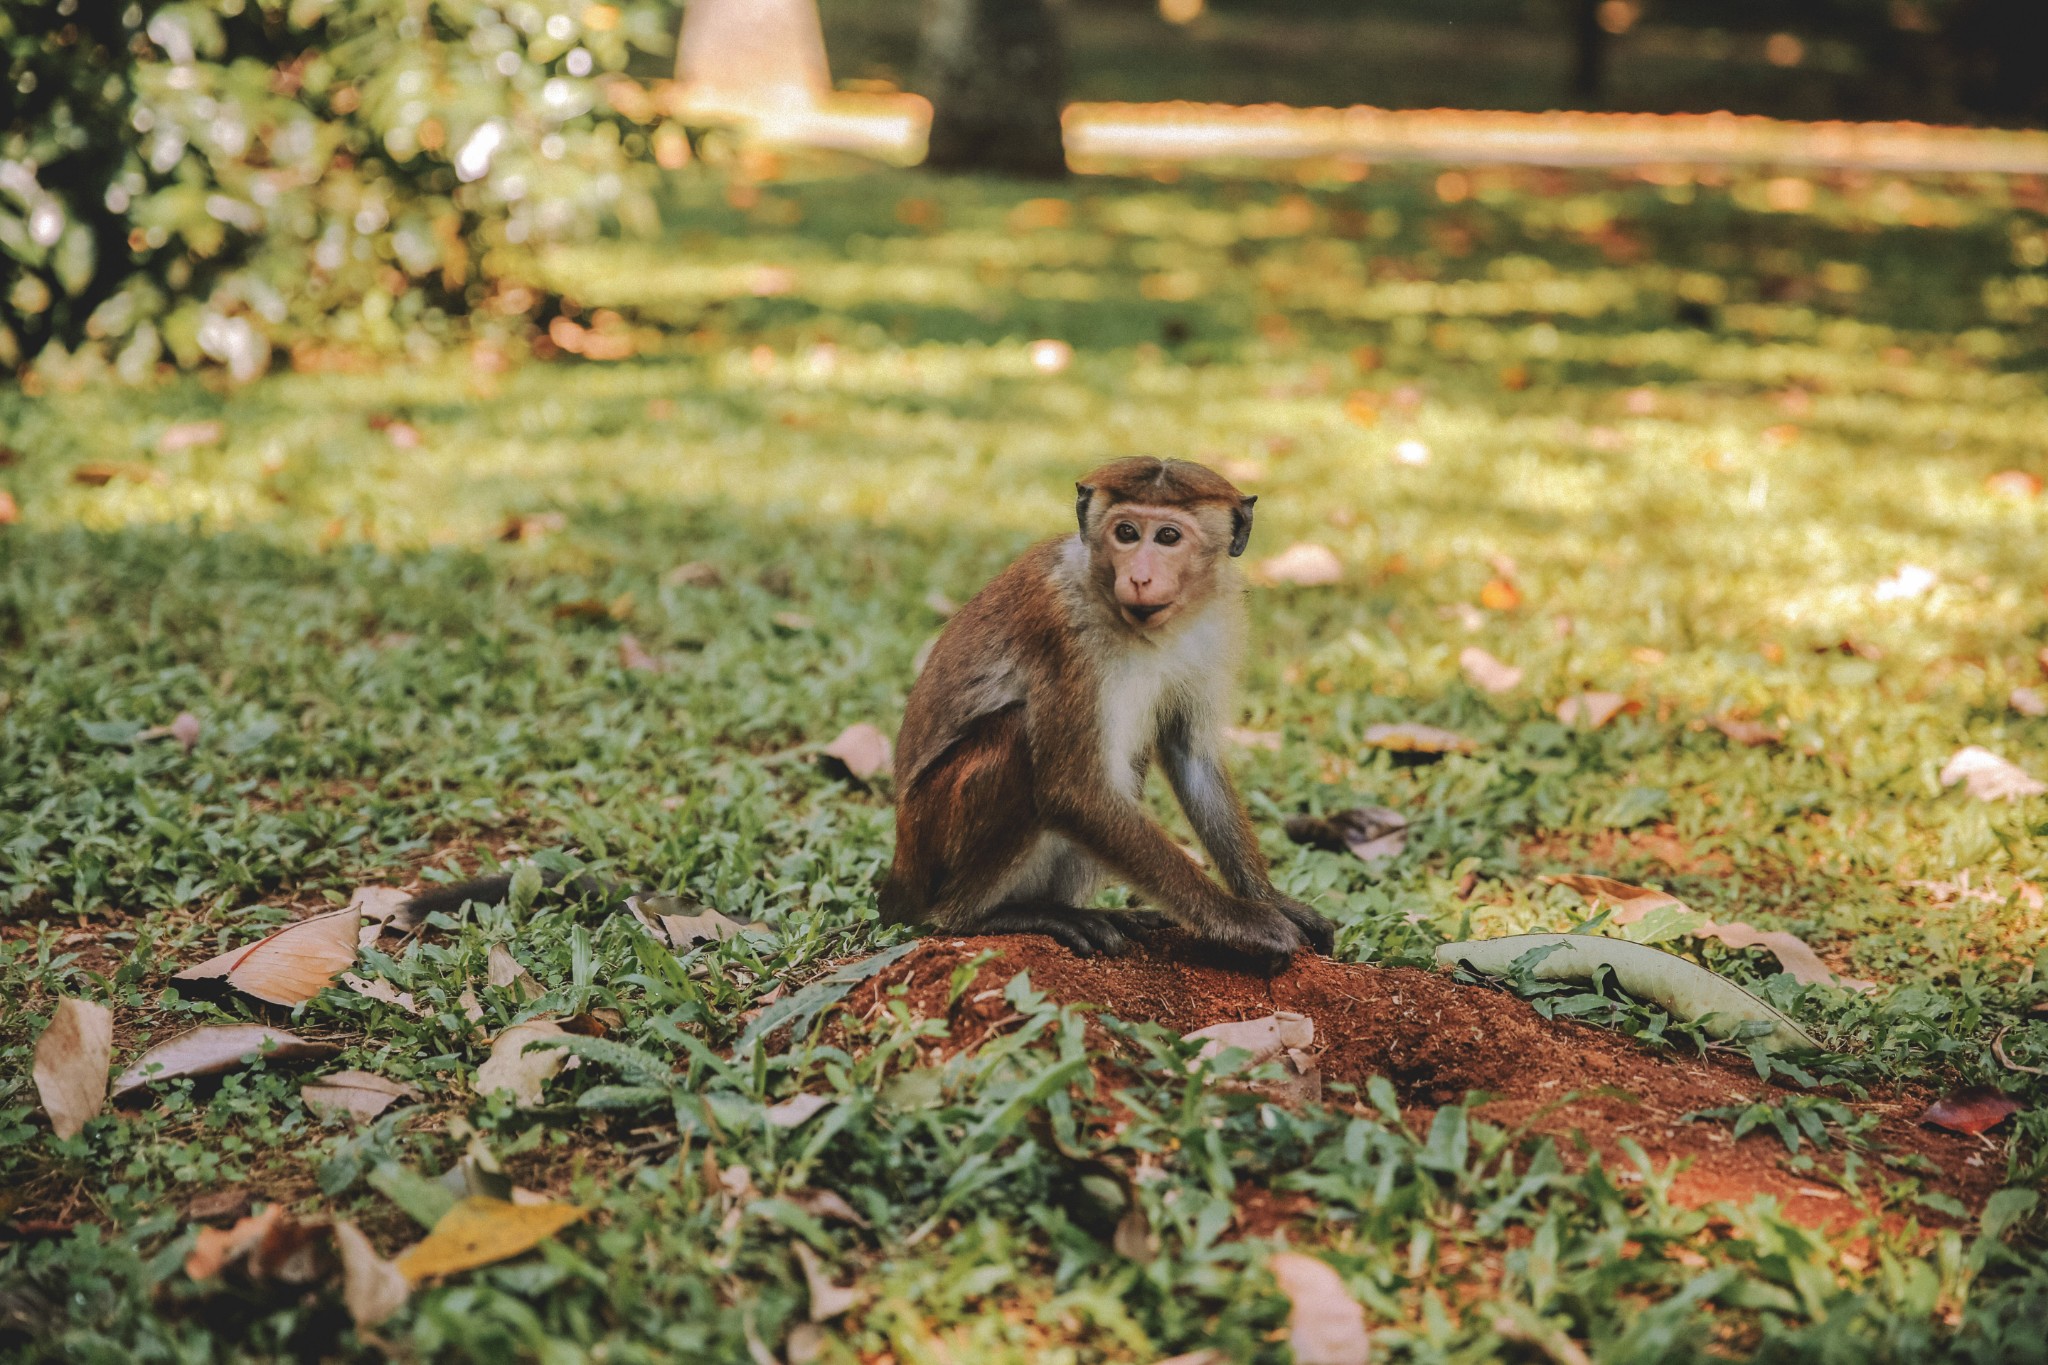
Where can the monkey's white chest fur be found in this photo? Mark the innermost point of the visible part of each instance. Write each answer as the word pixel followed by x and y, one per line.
pixel 1188 672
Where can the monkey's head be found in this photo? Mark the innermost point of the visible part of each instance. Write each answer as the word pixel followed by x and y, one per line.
pixel 1156 532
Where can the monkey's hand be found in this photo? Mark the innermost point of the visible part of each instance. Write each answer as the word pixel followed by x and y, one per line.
pixel 1317 930
pixel 1259 932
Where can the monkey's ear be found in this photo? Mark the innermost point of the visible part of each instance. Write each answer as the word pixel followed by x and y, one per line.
pixel 1241 526
pixel 1083 495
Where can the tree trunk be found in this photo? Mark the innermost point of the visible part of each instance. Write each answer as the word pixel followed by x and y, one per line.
pixel 752 56
pixel 995 74
pixel 1589 54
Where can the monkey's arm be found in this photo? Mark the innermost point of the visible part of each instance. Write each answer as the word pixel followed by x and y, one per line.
pixel 1203 786
pixel 1205 792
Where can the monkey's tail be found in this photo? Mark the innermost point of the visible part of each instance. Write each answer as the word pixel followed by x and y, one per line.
pixel 491 890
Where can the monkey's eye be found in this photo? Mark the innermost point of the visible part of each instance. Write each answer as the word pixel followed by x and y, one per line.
pixel 1168 535
pixel 1126 533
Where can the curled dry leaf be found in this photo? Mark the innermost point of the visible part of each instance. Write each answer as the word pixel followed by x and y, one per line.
pixel 1487 673
pixel 482 1231
pixel 357 1095
pixel 2028 701
pixel 1301 565
pixel 1750 732
pixel 290 966
pixel 1988 777
pixel 71 1064
pixel 633 656
pixel 828 1300
pixel 1684 989
pixel 1418 739
pixel 1371 833
pixel 1977 1109
pixel 860 752
pixel 794 622
pixel 1325 1326
pixel 10 510
pixel 213 1048
pixel 217 1248
pixel 1269 740
pixel 512 1067
pixel 826 1204
pixel 372 1288
pixel 1591 710
pixel 797 1110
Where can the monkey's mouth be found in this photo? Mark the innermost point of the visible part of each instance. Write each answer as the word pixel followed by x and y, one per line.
pixel 1144 615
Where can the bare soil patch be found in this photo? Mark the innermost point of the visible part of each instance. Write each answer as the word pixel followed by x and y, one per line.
pixel 1437 1041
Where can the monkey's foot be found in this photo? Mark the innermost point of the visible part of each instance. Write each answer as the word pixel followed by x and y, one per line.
pixel 1086 932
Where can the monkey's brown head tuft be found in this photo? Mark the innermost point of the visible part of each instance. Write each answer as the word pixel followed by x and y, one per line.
pixel 1154 531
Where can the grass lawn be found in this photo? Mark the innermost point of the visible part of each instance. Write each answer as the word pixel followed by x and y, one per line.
pixel 1720 449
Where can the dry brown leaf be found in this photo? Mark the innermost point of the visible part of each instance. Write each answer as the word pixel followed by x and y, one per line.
pixel 358 1095
pixel 184 728
pixel 219 1205
pixel 482 1231
pixel 1371 833
pixel 213 1048
pixel 1631 902
pixel 634 658
pixel 827 1204
pixel 2014 483
pixel 828 1300
pixel 10 510
pixel 1990 778
pixel 1269 740
pixel 1591 710
pixel 1418 739
pixel 218 1248
pixel 511 1067
pixel 1795 956
pixel 1500 595
pixel 695 574
pixel 1487 673
pixel 1327 1325
pixel 502 970
pixel 793 621
pixel 1750 732
pixel 290 966
pixel 1208 1355
pixel 383 909
pixel 71 1064
pixel 379 989
pixel 372 1287
pixel 2028 701
pixel 797 1110
pixel 188 435
pixel 1282 1037
pixel 1977 1109
pixel 940 604
pixel 1301 565
pixel 860 752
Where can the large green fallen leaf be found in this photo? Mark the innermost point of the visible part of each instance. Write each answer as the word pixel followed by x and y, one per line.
pixel 481 1231
pixel 1684 989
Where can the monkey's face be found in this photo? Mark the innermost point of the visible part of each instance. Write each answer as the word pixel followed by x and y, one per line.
pixel 1160 560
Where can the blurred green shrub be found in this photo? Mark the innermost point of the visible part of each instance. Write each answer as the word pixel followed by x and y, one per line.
pixel 212 180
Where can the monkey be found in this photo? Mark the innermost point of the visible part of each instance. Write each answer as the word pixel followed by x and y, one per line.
pixel 1027 738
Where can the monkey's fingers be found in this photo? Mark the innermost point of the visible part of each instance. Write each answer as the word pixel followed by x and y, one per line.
pixel 1319 931
pixel 1070 928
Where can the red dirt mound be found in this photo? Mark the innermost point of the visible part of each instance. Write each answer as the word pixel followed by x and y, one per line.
pixel 1436 1040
